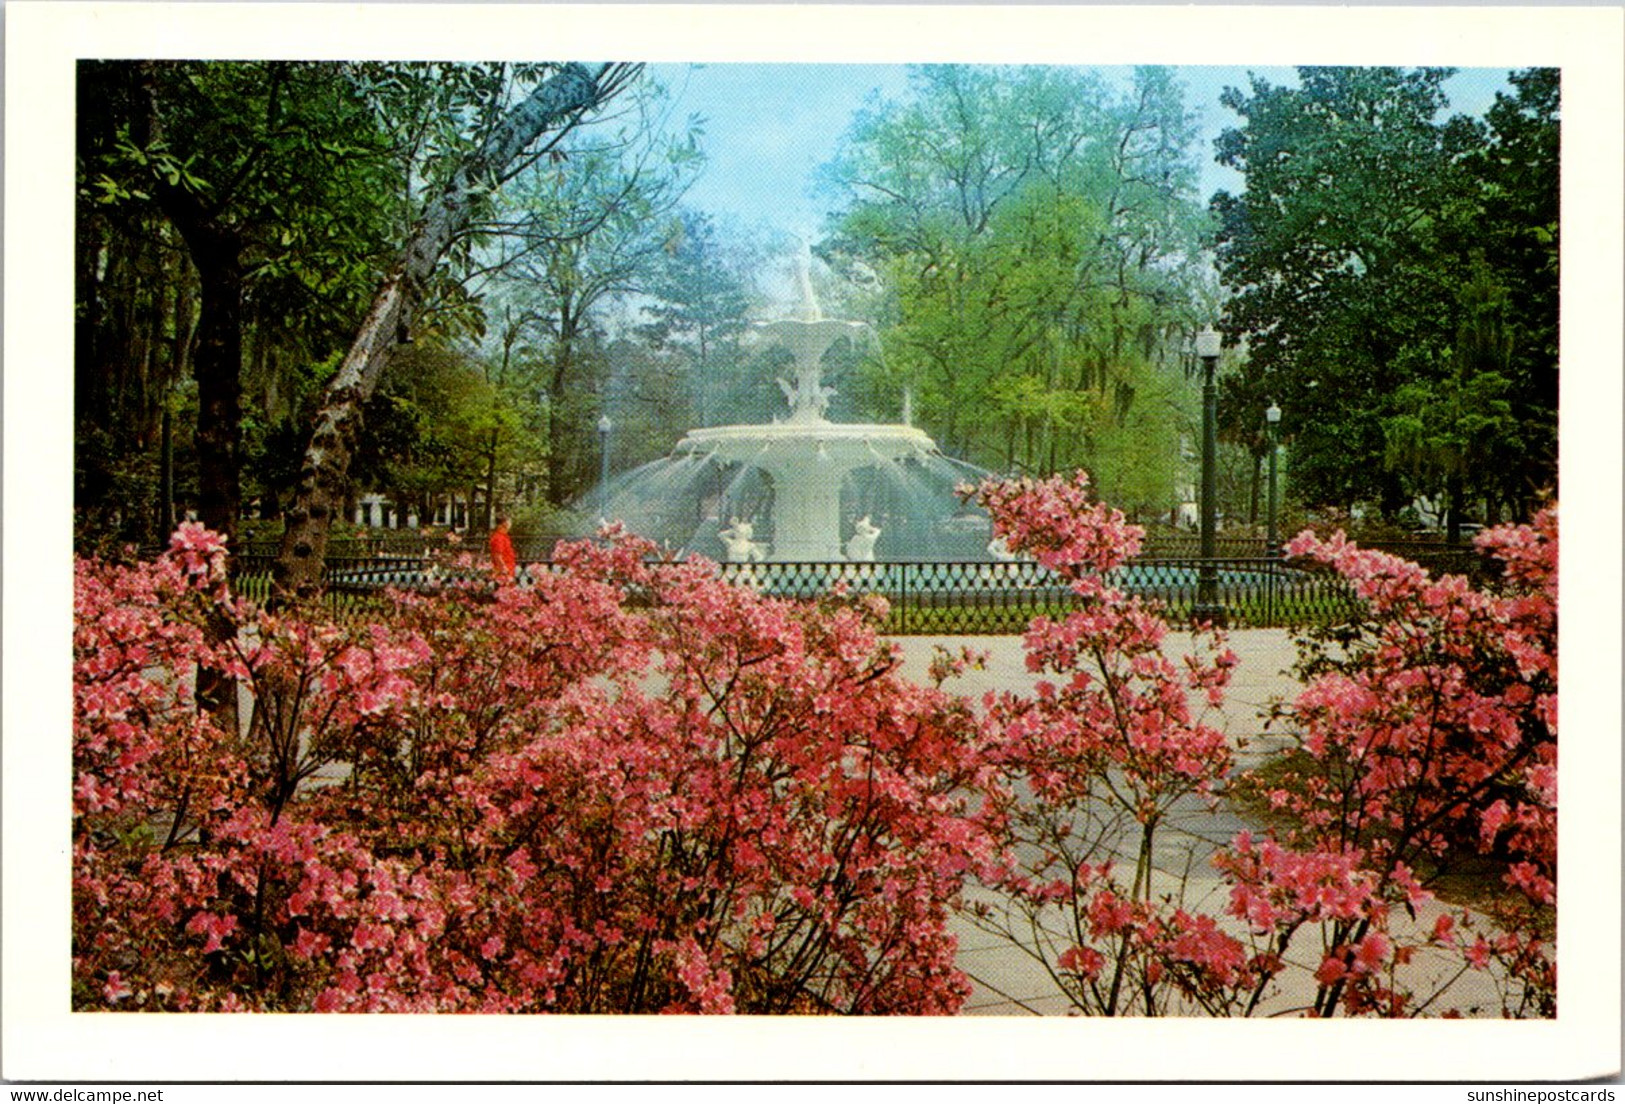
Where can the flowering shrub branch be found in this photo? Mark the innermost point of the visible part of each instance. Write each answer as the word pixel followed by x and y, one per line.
pixel 1429 731
pixel 1102 751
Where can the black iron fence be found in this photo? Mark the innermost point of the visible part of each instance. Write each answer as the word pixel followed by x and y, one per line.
pixel 925 598
pixel 412 544
pixel 978 598
pixel 1434 553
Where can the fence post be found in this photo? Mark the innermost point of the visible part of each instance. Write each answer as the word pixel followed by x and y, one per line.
pixel 1270 567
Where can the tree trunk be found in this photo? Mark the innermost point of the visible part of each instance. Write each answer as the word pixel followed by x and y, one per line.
pixel 166 478
pixel 1453 499
pixel 216 254
pixel 325 472
pixel 217 367
pixel 216 251
pixel 1252 497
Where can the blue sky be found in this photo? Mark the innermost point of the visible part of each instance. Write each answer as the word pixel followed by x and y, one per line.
pixel 769 127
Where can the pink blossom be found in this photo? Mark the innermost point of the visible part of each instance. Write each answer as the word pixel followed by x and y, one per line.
pixel 1084 961
pixel 1332 969
pixel 632 770
pixel 1371 952
pixel 116 990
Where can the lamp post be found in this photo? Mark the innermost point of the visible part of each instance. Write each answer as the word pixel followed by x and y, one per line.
pixel 1207 607
pixel 1272 419
pixel 604 427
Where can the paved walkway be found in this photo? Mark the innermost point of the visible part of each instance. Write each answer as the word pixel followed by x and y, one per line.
pixel 1008 978
pixel 1259 681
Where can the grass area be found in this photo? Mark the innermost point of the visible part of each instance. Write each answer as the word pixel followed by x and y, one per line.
pixel 343 605
pixel 966 619
pixel 1287 609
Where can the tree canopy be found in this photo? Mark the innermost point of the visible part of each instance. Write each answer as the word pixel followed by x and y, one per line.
pixel 1393 276
pixel 1027 242
pixel 233 218
pixel 1040 236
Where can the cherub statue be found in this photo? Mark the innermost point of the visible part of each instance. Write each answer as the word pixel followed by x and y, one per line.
pixel 808 398
pixel 739 538
pixel 861 547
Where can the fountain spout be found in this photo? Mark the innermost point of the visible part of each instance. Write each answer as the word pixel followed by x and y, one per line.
pixel 809 302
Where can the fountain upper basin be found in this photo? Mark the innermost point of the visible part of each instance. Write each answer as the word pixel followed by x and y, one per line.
pixel 850 441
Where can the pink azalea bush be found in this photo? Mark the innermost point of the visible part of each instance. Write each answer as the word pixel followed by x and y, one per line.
pixel 1428 732
pixel 630 788
pixel 1428 737
pixel 1102 752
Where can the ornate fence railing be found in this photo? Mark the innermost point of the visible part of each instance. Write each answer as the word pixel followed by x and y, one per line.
pixel 1434 553
pixel 978 598
pixel 925 598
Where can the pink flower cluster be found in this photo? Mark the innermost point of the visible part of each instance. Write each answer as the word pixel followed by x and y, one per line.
pixel 1427 732
pixel 1108 740
pixel 1142 955
pixel 1058 523
pixel 629 788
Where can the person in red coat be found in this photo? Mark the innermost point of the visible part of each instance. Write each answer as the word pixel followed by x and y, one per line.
pixel 503 563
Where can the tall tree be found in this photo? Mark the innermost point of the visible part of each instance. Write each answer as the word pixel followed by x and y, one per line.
pixel 440 421
pixel 579 232
pixel 1041 237
pixel 135 314
pixel 1511 230
pixel 273 178
pixel 557 101
pixel 1452 431
pixel 700 305
pixel 1364 216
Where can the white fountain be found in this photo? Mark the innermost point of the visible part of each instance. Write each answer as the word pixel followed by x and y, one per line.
pixel 805 460
pixel 806 456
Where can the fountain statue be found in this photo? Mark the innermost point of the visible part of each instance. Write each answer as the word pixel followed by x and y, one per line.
pixel 790 474
pixel 860 548
pixel 739 539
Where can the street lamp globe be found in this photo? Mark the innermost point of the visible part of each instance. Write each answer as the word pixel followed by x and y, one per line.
pixel 1273 415
pixel 1208 342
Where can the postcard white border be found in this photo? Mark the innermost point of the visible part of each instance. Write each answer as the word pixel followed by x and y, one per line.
pixel 42 1039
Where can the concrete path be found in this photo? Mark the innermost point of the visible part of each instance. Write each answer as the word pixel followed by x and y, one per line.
pixel 1260 680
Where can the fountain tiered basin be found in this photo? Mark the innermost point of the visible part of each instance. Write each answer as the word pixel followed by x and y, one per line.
pixel 806 465
pixel 804 489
